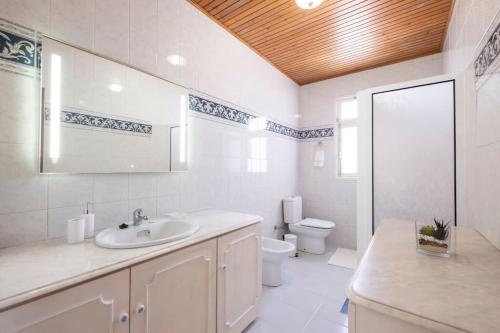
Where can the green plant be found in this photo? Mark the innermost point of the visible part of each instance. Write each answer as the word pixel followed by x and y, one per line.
pixel 427 230
pixel 441 229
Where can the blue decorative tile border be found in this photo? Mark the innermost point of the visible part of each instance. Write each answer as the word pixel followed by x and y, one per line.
pixel 20 52
pixel 77 118
pixel 20 49
pixel 208 107
pixel 488 53
pixel 316 133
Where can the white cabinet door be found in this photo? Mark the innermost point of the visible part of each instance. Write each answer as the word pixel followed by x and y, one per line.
pixel 175 293
pixel 238 279
pixel 98 306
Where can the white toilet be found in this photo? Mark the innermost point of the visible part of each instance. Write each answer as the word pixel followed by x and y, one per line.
pixel 311 233
pixel 274 252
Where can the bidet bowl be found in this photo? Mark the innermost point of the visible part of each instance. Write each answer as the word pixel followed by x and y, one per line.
pixel 274 252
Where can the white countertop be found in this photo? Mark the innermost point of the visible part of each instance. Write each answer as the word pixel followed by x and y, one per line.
pixel 36 269
pixel 456 294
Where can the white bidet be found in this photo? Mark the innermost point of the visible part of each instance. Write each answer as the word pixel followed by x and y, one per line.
pixel 274 252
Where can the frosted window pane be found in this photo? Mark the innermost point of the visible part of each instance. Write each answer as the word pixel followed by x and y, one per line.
pixel 348 109
pixel 349 149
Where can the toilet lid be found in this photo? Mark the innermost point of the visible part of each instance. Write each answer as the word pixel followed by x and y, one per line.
pixel 315 223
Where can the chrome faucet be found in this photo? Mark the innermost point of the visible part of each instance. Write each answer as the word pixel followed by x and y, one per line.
pixel 139 217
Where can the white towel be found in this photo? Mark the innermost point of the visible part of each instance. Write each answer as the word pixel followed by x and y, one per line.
pixel 319 158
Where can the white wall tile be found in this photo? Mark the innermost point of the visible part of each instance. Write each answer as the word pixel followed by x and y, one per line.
pixel 23 194
pixel 22 228
pixel 111 33
pixel 19 110
pixel 148 206
pixel 142 186
pixel 218 175
pixel 470 21
pixel 169 26
pixel 69 190
pixel 144 34
pixel 110 188
pixel 30 13
pixel 168 204
pixel 168 184
pixel 111 214
pixel 58 218
pixel 73 21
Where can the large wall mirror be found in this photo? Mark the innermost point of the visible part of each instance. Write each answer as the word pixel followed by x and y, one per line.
pixel 100 116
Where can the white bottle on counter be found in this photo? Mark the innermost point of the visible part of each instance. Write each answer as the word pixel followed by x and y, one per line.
pixel 88 219
pixel 76 230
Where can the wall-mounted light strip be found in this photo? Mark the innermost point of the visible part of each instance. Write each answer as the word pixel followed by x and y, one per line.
pixel 182 149
pixel 55 102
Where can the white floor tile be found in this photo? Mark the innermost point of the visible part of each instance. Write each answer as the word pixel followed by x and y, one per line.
pixel 287 318
pixel 309 300
pixel 320 325
pixel 330 310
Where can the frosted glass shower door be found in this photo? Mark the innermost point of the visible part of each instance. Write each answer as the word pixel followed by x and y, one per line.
pixel 414 153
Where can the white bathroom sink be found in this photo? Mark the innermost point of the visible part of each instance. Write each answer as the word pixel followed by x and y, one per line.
pixel 153 232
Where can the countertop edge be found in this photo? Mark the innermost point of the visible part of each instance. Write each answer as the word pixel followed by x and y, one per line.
pixel 32 294
pixel 413 318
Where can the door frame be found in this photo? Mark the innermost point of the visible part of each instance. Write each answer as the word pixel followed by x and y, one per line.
pixel 454 143
pixel 364 210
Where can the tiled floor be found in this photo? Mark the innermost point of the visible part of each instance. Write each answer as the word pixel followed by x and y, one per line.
pixel 309 300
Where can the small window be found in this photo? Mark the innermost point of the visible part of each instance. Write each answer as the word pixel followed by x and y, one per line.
pixel 347 129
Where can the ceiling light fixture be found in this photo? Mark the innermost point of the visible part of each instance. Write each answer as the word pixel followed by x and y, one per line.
pixel 308 4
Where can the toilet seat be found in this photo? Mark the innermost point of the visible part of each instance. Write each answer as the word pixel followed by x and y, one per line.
pixel 316 223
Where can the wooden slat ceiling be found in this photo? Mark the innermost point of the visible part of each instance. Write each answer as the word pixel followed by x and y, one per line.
pixel 338 37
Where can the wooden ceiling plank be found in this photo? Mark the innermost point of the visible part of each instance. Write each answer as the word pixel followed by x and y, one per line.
pixel 380 17
pixel 204 3
pixel 240 13
pixel 269 14
pixel 332 75
pixel 370 49
pixel 318 47
pixel 361 64
pixel 258 27
pixel 215 4
pixel 391 29
pixel 338 37
pixel 311 72
pixel 321 43
pixel 331 60
pixel 231 6
pixel 360 56
pixel 267 6
pixel 359 53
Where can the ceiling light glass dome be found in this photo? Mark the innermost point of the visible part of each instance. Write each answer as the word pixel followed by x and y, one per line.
pixel 308 4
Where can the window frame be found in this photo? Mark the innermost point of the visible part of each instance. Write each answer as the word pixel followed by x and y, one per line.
pixel 353 122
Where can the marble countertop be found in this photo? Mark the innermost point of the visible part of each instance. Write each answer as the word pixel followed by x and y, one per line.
pixel 34 270
pixel 456 294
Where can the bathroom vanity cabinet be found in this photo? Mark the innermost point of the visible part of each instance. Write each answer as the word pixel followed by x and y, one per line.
pixel 239 279
pixel 101 305
pixel 395 289
pixel 212 286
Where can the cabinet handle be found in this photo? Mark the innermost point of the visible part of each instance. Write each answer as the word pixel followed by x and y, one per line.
pixel 224 267
pixel 140 309
pixel 124 317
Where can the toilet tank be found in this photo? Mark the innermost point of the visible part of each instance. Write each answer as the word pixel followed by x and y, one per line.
pixel 292 209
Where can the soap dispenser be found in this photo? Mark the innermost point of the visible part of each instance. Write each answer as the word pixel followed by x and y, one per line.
pixel 88 219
